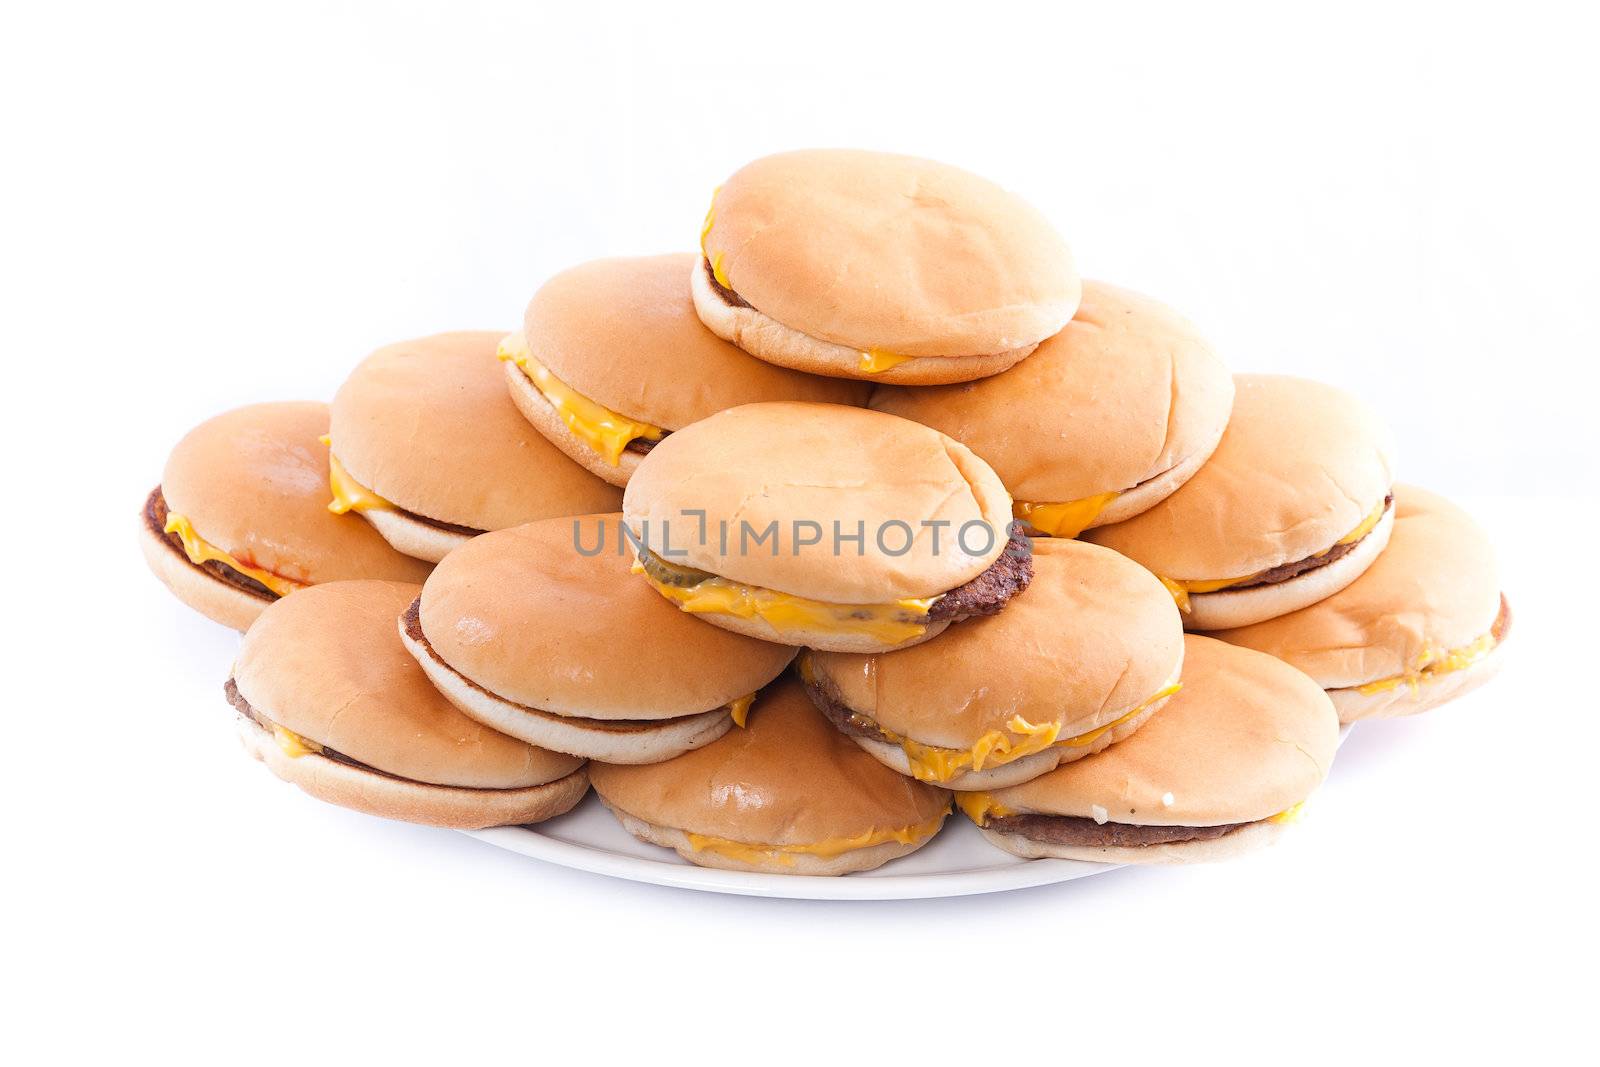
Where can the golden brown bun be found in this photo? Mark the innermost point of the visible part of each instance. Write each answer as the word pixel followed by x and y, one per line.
pixel 789 462
pixel 1094 635
pixel 523 614
pixel 787 778
pixel 1246 737
pixel 394 798
pixel 325 663
pixel 254 483
pixel 1434 589
pixel 1245 839
pixel 427 425
pixel 1125 393
pixel 869 250
pixel 624 333
pixel 1228 608
pixel 212 597
pixel 1300 466
pixel 773 342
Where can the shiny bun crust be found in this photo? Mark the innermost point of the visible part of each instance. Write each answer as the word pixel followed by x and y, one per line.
pixel 873 251
pixel 787 463
pixel 1127 398
pixel 624 333
pixel 1245 839
pixel 1300 465
pixel 428 425
pixel 212 597
pixel 771 341
pixel 1228 608
pixel 393 798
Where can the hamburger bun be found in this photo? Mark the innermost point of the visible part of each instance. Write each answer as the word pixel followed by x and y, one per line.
pixel 785 795
pixel 813 259
pixel 252 485
pixel 795 470
pixel 438 453
pixel 1128 399
pixel 1421 626
pixel 526 633
pixel 330 701
pixel 623 334
pixel 1237 750
pixel 1091 651
pixel 1289 509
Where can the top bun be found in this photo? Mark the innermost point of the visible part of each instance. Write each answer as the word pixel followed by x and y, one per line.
pixel 624 333
pixel 428 425
pixel 254 483
pixel 1300 465
pixel 787 778
pixel 326 664
pixel 790 463
pixel 1127 391
pixel 1095 635
pixel 876 251
pixel 1247 737
pixel 1432 590
pixel 527 615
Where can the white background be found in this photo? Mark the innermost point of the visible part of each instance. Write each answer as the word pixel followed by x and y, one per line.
pixel 211 205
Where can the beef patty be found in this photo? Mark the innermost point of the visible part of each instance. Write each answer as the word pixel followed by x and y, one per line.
pixel 837 712
pixel 1284 571
pixel 729 297
pixel 1071 830
pixel 155 516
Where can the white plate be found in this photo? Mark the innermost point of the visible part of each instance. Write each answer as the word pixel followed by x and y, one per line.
pixel 958 862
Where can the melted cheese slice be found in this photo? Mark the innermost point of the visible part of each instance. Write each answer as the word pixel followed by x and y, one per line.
pixel 294 746
pixel 891 623
pixel 1068 519
pixel 201 551
pixel 1431 664
pixel 607 432
pixel 877 360
pixel 1181 590
pixel 834 846
pixel 348 494
pixel 739 710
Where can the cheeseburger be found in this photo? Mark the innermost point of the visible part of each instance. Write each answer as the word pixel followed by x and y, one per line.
pixel 428 448
pixel 1422 626
pixel 1103 421
pixel 880 267
pixel 541 632
pixel 785 795
pixel 1078 664
pixel 1292 506
pixel 330 702
pixel 831 527
pixel 240 517
pixel 611 359
pixel 1224 768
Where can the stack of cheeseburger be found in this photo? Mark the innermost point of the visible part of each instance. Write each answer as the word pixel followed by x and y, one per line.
pixel 871 511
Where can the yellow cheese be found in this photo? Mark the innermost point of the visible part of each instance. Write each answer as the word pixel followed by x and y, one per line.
pixel 876 361
pixel 980 806
pixel 349 494
pixel 711 217
pixel 200 551
pixel 836 846
pixel 718 273
pixel 891 623
pixel 1181 590
pixel 1289 815
pixel 1432 663
pixel 740 709
pixel 607 432
pixel 1067 519
pixel 294 746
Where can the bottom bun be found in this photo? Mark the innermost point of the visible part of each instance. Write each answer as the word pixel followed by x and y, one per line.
pixel 380 794
pixel 1429 692
pixel 768 339
pixel 860 859
pixel 610 740
pixel 537 410
pixel 1016 772
pixel 204 592
pixel 1227 608
pixel 1152 491
pixel 408 534
pixel 1245 839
